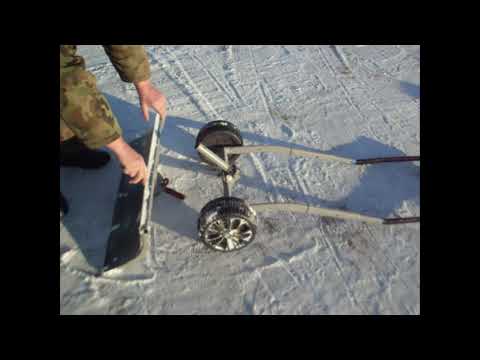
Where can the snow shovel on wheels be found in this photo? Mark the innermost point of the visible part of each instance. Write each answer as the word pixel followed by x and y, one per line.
pixel 131 228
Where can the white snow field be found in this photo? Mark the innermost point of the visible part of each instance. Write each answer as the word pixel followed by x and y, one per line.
pixel 354 101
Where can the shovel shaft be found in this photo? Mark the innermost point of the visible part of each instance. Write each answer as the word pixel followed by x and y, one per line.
pixel 406 220
pixel 387 159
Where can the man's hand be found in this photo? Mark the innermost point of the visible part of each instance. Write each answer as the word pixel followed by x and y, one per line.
pixel 131 161
pixel 151 98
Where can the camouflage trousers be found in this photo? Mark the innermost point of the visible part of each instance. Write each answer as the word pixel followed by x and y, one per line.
pixel 84 111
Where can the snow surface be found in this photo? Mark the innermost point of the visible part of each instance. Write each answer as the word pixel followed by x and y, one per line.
pixel 353 101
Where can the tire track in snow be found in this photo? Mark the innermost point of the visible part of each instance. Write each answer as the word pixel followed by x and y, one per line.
pixel 249 305
pixel 325 61
pixel 374 262
pixel 263 249
pixel 294 179
pixel 341 57
pixel 272 120
pixel 365 119
pixel 215 80
pixel 380 71
pixel 265 104
pixel 377 244
pixel 342 86
pixel 259 82
pixel 308 61
pixel 395 275
pixel 266 180
pixel 401 125
pixel 306 285
pixel 229 61
pixel 192 90
pixel 345 93
pixel 333 253
pixel 231 74
pixel 360 113
pixel 258 165
pixel 273 298
pixel 350 101
pixel 401 54
pixel 252 62
pixel 385 118
pixel 379 68
pixel 384 59
pixel 284 266
pixel 376 265
pixel 304 185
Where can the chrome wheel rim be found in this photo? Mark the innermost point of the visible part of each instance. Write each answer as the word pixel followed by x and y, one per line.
pixel 229 234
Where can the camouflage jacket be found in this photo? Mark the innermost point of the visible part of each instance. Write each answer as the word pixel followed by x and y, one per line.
pixel 84 111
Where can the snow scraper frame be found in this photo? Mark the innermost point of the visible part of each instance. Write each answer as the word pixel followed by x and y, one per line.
pixel 227 223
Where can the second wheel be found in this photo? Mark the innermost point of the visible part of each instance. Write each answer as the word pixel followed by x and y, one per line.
pixel 217 135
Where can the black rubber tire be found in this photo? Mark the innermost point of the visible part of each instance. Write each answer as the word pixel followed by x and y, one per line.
pixel 223 209
pixel 217 135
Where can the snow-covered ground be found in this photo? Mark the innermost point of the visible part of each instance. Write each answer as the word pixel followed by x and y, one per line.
pixel 353 101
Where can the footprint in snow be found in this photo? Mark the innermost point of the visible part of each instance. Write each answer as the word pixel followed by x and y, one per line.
pixel 287 131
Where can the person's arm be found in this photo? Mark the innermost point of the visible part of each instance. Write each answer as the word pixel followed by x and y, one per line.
pixel 132 162
pixel 150 97
pixel 84 111
pixel 86 114
pixel 131 63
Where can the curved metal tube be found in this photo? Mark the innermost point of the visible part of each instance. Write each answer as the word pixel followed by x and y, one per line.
pixel 247 149
pixel 307 209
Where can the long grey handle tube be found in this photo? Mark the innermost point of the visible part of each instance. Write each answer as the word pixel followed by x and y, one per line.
pixel 331 213
pixel 307 209
pixel 248 149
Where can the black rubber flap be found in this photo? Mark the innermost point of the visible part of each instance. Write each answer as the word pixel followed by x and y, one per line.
pixel 124 243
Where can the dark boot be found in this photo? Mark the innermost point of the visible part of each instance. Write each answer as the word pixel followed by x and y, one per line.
pixel 63 206
pixel 74 153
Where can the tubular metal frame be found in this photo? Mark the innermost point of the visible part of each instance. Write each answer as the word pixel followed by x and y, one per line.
pixel 230 175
